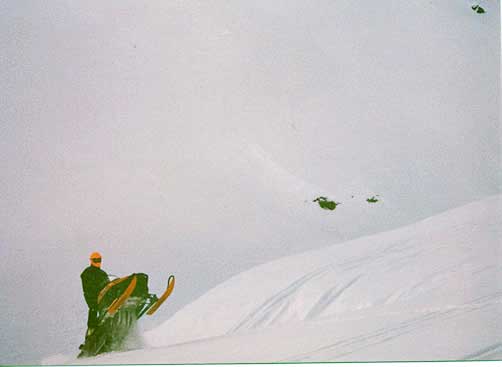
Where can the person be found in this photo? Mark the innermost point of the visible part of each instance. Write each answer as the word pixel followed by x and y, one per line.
pixel 94 279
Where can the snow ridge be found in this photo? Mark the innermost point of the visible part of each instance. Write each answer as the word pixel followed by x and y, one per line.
pixel 361 298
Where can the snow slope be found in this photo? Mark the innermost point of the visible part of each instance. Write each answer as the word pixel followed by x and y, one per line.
pixel 427 291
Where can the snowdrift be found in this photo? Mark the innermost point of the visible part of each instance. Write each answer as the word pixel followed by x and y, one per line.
pixel 428 291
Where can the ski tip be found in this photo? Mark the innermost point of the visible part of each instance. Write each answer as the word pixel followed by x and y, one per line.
pixel 170 281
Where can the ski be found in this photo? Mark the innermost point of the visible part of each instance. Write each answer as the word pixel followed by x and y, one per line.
pixel 123 297
pixel 165 295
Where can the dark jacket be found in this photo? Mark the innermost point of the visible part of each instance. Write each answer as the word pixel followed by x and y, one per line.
pixel 93 281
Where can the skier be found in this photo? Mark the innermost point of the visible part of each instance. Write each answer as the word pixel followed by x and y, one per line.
pixel 93 281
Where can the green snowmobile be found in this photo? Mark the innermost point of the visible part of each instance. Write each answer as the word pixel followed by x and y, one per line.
pixel 121 303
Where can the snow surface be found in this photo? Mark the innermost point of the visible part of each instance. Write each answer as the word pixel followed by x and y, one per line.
pixel 427 291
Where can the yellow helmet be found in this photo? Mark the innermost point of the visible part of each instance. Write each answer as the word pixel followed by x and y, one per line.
pixel 95 259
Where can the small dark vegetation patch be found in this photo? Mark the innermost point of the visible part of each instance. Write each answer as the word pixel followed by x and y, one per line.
pixel 325 203
pixel 478 9
pixel 372 199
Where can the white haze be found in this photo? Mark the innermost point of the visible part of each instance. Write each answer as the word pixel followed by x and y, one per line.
pixel 191 138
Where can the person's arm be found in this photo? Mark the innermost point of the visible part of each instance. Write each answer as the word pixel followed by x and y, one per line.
pixel 89 291
pixel 104 280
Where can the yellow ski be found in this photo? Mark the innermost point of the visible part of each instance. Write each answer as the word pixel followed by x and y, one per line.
pixel 160 301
